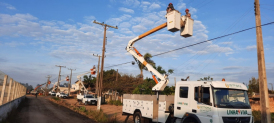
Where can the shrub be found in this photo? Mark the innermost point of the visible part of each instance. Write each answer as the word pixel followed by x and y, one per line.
pixel 82 108
pixel 56 98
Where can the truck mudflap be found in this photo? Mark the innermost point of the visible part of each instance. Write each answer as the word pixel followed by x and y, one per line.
pixel 189 116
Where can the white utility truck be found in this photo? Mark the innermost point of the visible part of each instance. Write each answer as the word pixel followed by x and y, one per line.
pixel 86 99
pixel 194 101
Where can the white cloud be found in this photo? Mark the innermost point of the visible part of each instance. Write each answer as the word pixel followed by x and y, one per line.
pixel 154 6
pixel 252 47
pixel 89 19
pixel 227 43
pixel 139 28
pixel 14 44
pixel 126 10
pixel 8 6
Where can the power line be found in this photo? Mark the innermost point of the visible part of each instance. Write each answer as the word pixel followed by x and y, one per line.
pixel 121 64
pixel 212 39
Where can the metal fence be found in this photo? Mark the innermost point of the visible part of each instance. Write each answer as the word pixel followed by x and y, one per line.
pixel 10 89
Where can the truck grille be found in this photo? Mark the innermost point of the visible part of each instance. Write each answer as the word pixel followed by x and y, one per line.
pixel 236 119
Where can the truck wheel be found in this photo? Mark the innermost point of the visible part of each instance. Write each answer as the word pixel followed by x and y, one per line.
pixel 137 117
pixel 86 103
pixel 190 120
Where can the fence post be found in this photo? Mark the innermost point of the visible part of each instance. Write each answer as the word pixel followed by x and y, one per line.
pixel 16 90
pixel 8 99
pixel 3 89
pixel 13 94
pixel 20 90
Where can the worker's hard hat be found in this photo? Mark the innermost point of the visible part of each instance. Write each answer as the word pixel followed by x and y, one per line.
pixel 170 3
pixel 187 10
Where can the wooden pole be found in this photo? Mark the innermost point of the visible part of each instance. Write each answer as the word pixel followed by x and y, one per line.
pixel 263 89
pixel 102 63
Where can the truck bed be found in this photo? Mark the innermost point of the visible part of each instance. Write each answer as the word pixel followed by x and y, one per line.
pixel 147 104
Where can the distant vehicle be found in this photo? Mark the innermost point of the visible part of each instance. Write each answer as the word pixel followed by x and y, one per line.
pixel 62 95
pixel 33 92
pixel 52 93
pixel 86 99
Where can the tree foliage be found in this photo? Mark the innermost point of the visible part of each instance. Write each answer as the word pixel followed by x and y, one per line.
pixel 148 59
pixel 206 79
pixel 253 85
pixel 89 81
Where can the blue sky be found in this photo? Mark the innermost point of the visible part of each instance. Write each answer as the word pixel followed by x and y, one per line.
pixel 37 35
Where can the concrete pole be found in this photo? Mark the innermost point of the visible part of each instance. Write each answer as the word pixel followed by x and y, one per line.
pixel 57 90
pixel 69 86
pixel 97 85
pixel 264 97
pixel 3 89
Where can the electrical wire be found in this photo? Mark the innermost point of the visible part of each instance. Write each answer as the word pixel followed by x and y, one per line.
pixel 118 64
pixel 228 29
pixel 212 39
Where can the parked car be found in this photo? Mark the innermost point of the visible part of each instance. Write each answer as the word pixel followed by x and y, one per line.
pixel 62 95
pixel 52 93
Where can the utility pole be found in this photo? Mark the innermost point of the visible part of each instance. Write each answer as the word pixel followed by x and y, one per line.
pixel 47 90
pixel 115 95
pixel 69 85
pixel 57 90
pixel 263 89
pixel 97 85
pixel 102 64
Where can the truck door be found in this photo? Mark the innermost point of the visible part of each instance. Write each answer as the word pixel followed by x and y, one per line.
pixel 181 103
pixel 204 108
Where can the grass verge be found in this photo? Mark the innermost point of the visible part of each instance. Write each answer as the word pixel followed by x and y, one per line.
pixel 257 116
pixel 115 102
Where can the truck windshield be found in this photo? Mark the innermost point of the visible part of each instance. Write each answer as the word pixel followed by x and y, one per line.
pixel 89 96
pixel 231 98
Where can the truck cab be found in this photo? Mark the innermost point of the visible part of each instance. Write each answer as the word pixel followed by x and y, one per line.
pixel 86 99
pixel 212 102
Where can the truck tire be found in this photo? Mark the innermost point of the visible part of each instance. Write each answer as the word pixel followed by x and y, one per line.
pixel 137 117
pixel 190 120
pixel 86 103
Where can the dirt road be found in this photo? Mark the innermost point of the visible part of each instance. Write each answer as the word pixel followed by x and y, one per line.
pixel 41 110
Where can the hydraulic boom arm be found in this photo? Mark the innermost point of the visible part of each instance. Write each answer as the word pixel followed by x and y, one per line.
pixel 160 86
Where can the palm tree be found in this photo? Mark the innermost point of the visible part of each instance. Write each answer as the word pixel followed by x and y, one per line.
pixel 142 67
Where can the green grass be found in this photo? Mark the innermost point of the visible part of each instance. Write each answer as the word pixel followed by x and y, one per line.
pixel 257 116
pixel 115 102
pixel 55 98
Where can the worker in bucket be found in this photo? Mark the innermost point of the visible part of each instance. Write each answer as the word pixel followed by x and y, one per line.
pixel 169 8
pixel 187 13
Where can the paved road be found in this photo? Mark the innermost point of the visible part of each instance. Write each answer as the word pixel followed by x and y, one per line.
pixel 41 110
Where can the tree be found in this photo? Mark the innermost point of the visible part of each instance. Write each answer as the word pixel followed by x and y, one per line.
pixel 89 81
pixel 162 71
pixel 206 79
pixel 253 85
pixel 148 59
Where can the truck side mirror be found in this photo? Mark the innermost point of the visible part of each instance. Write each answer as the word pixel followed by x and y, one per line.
pixel 200 94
